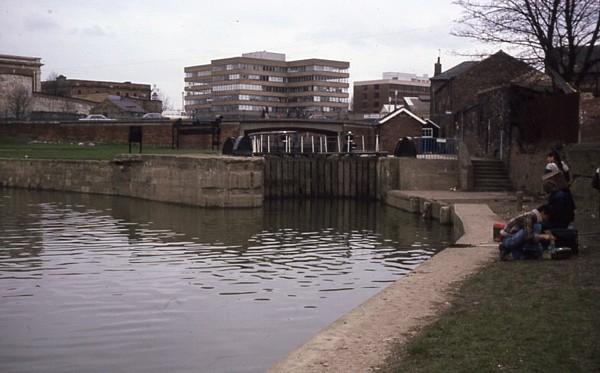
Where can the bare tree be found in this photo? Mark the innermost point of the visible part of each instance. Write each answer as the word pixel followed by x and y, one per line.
pixel 157 94
pixel 18 101
pixel 52 76
pixel 559 35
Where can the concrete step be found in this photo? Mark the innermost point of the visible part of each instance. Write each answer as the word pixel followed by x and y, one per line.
pixel 499 179
pixel 490 175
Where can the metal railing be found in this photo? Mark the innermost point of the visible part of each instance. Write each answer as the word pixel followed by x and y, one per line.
pixel 296 143
pixel 302 143
pixel 436 148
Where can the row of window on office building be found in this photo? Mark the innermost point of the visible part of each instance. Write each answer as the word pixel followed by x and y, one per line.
pixel 199 90
pixel 284 110
pixel 283 100
pixel 278 69
pixel 270 78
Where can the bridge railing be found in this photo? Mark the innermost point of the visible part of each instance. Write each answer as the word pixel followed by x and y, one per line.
pixel 295 143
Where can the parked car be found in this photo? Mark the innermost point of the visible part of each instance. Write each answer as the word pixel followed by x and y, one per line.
pixel 175 114
pixel 94 117
pixel 153 116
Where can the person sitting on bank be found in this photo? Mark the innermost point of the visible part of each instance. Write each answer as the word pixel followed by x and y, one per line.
pixel 522 236
pixel 560 203
pixel 555 163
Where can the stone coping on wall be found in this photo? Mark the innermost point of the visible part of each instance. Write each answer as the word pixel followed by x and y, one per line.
pixel 361 340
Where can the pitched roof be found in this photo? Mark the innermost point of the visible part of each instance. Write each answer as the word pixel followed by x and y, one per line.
pixel 400 111
pixel 432 123
pixel 126 104
pixel 416 103
pixel 463 67
pixel 455 71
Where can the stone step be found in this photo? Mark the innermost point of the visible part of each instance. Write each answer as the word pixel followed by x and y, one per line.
pixel 490 175
pixel 488 169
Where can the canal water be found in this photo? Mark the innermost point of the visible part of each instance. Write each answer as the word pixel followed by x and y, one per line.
pixel 105 284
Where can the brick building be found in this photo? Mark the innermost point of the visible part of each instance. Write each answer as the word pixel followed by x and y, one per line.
pixel 371 95
pixel 94 90
pixel 19 79
pixel 402 123
pixel 454 91
pixel 500 101
pixel 119 107
pixel 265 84
pixel 27 69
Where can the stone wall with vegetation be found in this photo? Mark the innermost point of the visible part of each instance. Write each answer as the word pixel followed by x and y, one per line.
pixel 527 168
pixel 206 181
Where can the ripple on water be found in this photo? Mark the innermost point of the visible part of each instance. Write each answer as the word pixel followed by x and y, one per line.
pixel 100 285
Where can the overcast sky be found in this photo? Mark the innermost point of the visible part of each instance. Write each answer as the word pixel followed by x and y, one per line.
pixel 152 41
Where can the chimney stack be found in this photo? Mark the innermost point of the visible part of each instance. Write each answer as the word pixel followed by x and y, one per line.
pixel 437 69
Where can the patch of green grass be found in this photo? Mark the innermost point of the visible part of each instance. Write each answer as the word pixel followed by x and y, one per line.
pixel 527 316
pixel 16 148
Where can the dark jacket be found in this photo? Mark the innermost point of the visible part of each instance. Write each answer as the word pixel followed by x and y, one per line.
pixel 561 209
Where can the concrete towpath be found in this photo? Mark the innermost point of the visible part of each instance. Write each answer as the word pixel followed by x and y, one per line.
pixel 360 340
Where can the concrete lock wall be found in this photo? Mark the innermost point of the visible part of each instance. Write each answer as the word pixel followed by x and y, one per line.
pixel 221 181
pixel 418 174
pixel 206 181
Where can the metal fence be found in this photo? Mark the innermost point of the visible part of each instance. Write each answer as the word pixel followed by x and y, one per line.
pixel 297 143
pixel 436 148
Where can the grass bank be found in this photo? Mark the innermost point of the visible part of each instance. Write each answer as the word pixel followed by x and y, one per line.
pixel 527 316
pixel 16 148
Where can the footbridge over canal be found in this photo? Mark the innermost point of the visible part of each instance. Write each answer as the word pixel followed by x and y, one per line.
pixel 319 126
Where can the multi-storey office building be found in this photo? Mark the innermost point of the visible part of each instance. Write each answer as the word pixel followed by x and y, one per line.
pixel 264 83
pixel 371 95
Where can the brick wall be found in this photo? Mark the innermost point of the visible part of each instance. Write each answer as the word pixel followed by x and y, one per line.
pixel 590 119
pixel 158 134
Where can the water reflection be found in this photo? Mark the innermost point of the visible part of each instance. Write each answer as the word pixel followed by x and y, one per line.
pixel 100 283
